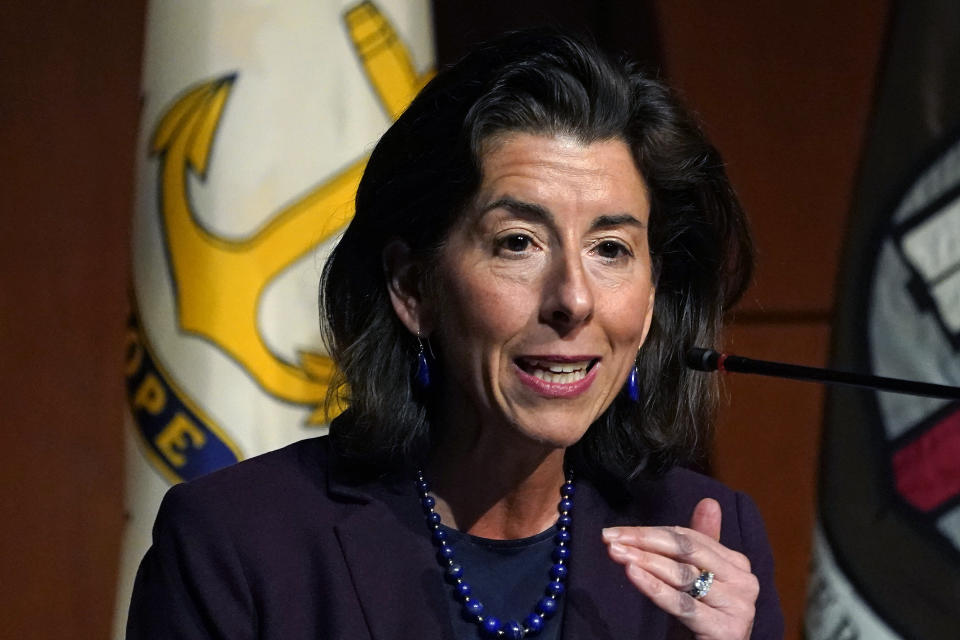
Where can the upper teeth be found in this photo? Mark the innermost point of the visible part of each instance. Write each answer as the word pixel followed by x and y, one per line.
pixel 555 367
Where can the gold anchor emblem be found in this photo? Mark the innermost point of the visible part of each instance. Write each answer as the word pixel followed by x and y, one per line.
pixel 218 281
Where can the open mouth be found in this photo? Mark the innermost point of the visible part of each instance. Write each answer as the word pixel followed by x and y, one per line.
pixel 557 372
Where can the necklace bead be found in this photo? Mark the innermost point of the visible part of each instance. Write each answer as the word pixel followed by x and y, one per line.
pixel 473 610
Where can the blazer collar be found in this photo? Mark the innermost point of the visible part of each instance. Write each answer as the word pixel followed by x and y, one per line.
pixel 391 560
pixel 601 601
pixel 393 566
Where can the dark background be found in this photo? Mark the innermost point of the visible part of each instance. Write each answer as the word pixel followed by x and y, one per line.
pixel 784 90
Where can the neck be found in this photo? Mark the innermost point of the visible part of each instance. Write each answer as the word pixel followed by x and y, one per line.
pixel 497 485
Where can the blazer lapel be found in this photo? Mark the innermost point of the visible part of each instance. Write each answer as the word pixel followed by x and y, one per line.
pixel 392 563
pixel 402 591
pixel 601 601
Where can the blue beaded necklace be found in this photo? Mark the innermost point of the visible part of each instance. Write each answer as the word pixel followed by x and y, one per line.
pixel 490 626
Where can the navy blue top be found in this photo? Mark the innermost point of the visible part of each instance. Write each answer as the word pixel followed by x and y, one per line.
pixel 507 576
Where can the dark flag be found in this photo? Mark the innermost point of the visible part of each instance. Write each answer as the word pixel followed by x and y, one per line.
pixel 887 547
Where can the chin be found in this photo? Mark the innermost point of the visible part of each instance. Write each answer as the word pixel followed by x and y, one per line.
pixel 554 434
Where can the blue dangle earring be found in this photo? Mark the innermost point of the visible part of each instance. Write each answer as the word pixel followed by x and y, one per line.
pixel 423 367
pixel 633 385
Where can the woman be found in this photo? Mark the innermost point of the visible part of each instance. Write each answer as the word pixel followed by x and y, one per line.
pixel 537 241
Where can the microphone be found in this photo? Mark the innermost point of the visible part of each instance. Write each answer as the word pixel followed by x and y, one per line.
pixel 701 359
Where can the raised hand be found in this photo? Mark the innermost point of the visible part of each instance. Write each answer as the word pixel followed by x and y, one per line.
pixel 666 562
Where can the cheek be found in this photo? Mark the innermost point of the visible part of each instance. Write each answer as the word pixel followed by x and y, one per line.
pixel 485 311
pixel 626 312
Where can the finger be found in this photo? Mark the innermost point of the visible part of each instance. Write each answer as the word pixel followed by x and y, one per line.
pixel 706 518
pixel 732 619
pixel 681 544
pixel 678 575
pixel 695 615
pixel 678 543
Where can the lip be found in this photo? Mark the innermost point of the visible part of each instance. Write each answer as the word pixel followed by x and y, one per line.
pixel 558 389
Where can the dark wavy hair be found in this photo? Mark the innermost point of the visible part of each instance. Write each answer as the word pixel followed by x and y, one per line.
pixel 421 176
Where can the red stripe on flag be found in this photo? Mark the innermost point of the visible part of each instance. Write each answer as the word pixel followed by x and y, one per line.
pixel 927 471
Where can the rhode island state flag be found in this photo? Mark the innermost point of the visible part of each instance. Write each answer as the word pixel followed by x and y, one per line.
pixel 257 120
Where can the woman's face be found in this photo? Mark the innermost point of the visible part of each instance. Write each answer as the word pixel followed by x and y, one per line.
pixel 545 291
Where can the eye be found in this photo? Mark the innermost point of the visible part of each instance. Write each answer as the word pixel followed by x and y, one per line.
pixel 611 250
pixel 516 242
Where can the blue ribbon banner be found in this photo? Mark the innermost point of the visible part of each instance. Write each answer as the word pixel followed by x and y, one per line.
pixel 180 440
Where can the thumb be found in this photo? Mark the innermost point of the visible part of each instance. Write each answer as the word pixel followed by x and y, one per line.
pixel 706 518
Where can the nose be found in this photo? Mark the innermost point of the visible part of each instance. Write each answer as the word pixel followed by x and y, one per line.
pixel 568 299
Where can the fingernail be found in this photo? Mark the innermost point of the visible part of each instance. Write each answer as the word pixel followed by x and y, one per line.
pixel 610 534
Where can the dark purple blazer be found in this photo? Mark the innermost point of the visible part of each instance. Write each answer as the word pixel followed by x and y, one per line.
pixel 285 546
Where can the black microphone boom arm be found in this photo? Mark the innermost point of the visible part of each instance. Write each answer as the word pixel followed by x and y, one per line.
pixel 709 360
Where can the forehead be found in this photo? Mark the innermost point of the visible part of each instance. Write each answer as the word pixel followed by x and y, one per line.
pixel 562 173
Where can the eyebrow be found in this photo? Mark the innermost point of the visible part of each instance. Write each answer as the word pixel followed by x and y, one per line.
pixel 606 222
pixel 542 214
pixel 521 208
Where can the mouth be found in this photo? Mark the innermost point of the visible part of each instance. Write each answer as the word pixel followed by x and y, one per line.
pixel 557 369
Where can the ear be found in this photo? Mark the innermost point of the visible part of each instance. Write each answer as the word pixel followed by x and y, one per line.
pixel 405 284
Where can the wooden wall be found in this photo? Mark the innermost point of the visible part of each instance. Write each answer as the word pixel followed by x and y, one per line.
pixel 785 92
pixel 783 88
pixel 69 77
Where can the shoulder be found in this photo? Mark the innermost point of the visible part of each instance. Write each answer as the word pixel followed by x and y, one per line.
pixel 226 543
pixel 670 499
pixel 258 520
pixel 305 460
pixel 273 483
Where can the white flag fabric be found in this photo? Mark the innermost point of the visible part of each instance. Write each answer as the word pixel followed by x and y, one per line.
pixel 257 118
